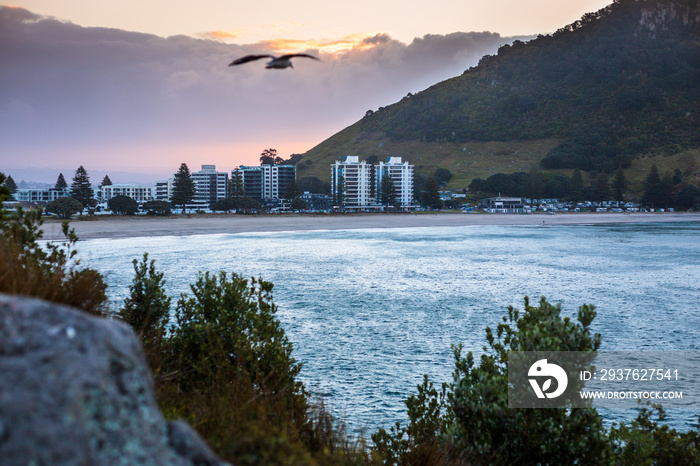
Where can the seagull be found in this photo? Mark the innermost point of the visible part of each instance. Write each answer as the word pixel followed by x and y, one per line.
pixel 278 63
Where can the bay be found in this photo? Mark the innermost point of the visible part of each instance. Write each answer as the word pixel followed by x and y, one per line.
pixel 370 311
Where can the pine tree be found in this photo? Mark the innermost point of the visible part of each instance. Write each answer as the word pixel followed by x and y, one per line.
pixel 431 196
pixel 339 193
pixel 235 184
pixel 387 191
pixel 601 188
pixel 61 182
pixel 619 185
pixel 652 187
pixel 81 189
pixel 11 185
pixel 183 187
pixel 292 190
pixel 106 181
pixel 575 186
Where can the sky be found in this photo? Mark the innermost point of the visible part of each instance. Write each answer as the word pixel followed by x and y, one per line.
pixel 132 89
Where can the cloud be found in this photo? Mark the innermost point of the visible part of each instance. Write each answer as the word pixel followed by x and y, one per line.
pixel 221 35
pixel 132 99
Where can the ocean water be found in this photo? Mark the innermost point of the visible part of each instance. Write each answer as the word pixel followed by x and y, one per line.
pixel 370 311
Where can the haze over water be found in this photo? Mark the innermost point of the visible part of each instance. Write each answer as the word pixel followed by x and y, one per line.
pixel 370 311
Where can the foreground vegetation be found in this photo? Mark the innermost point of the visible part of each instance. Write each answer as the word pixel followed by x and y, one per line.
pixel 221 360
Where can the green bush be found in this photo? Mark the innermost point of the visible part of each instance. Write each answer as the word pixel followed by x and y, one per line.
pixel 64 207
pixel 468 421
pixel 226 366
pixel 46 272
pixel 123 205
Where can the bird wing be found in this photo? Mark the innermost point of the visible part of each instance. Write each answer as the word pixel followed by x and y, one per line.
pixel 290 55
pixel 248 58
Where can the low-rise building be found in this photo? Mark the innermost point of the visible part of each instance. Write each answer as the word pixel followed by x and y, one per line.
pixel 41 196
pixel 503 205
pixel 137 192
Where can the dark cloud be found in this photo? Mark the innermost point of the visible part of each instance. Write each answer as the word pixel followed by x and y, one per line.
pixel 64 87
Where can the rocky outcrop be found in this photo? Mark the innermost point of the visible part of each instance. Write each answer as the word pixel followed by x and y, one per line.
pixel 75 389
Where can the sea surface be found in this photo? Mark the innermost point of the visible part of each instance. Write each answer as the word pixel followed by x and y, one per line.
pixel 370 311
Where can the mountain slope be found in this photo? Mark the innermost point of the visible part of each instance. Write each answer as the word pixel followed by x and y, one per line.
pixel 618 85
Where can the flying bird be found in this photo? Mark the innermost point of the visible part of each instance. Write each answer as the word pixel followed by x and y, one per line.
pixel 278 63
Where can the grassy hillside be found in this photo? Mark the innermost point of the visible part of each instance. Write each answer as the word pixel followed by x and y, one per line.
pixel 620 87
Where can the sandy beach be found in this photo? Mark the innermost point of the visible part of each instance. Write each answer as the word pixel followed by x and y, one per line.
pixel 126 227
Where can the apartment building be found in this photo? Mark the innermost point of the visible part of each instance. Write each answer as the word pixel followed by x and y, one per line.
pixel 355 184
pixel 401 174
pixel 210 185
pixel 137 192
pixel 265 182
pixel 40 196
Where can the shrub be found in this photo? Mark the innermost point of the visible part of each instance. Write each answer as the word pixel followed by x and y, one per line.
pixel 469 420
pixel 123 205
pixel 227 367
pixel 64 207
pixel 28 269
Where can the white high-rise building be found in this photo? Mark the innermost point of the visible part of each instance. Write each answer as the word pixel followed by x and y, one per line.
pixel 266 182
pixel 401 173
pixel 357 183
pixel 210 185
pixel 352 183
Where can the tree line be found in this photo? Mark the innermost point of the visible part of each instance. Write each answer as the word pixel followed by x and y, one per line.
pixel 669 190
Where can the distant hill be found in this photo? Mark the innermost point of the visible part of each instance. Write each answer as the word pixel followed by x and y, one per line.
pixel 619 87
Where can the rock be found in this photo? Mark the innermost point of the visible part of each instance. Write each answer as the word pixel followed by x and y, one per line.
pixel 75 389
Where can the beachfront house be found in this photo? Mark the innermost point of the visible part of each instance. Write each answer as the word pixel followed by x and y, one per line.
pixel 503 205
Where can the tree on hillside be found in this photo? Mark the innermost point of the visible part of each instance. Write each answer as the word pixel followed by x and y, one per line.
pixel 123 205
pixel 106 181
pixel 575 186
pixel 619 185
pixel 601 188
pixel 292 190
pixel 81 189
pixel 652 188
pixel 183 187
pixel 443 175
pixel 387 191
pixel 64 207
pixel 431 196
pixel 61 182
pixel 313 185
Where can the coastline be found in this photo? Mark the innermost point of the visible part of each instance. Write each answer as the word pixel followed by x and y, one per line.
pixel 132 227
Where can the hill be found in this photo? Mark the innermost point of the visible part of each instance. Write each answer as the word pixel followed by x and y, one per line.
pixel 619 87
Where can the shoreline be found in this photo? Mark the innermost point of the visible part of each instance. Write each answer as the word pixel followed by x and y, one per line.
pixel 134 227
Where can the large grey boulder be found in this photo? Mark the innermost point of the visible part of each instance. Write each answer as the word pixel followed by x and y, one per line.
pixel 76 389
